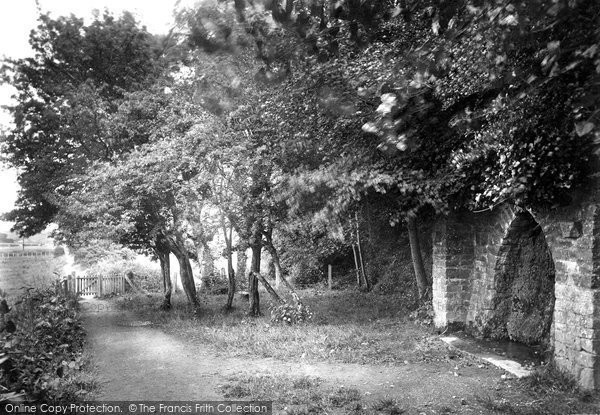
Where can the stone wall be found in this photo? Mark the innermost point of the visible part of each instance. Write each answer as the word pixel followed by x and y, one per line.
pixel 453 258
pixel 470 253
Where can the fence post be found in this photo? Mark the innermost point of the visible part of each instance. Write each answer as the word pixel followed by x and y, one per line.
pixel 99 290
pixel 330 276
pixel 65 285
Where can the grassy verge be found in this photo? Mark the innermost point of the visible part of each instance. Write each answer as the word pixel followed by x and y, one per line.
pixel 42 350
pixel 547 391
pixel 305 395
pixel 347 327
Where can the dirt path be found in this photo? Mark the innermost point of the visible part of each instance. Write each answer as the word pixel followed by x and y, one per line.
pixel 138 362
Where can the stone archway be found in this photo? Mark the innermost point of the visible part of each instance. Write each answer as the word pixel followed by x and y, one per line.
pixel 523 304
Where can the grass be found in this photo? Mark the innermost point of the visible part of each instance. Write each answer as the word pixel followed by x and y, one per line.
pixel 347 327
pixel 302 395
pixel 547 391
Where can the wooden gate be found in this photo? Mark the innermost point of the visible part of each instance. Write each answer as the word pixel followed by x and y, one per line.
pixel 97 285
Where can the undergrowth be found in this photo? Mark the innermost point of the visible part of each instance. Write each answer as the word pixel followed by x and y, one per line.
pixel 42 345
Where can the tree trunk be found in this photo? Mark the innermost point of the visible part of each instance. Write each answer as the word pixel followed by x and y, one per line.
pixel 185 271
pixel 230 272
pixel 278 271
pixel 256 246
pixel 162 251
pixel 165 269
pixel 356 267
pixel 187 280
pixel 365 278
pixel 242 258
pixel 275 258
pixel 417 258
pixel 270 289
pixel 290 288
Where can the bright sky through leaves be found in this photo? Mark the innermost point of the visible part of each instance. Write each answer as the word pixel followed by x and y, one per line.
pixel 19 17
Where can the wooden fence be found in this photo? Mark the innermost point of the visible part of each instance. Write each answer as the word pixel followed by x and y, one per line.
pixel 95 285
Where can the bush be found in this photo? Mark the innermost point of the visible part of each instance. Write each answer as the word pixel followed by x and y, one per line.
pixel 42 342
pixel 215 284
pixel 291 314
pixel 303 275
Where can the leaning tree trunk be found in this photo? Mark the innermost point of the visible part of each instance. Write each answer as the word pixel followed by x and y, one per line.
pixel 356 266
pixel 363 273
pixel 275 258
pixel 278 271
pixel 417 258
pixel 185 271
pixel 256 246
pixel 270 289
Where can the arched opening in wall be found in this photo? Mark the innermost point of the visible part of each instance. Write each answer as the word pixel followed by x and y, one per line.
pixel 523 304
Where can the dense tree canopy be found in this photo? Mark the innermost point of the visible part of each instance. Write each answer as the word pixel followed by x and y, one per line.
pixel 67 94
pixel 286 118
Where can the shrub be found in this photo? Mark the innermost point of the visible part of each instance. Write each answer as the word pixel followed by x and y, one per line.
pixel 304 275
pixel 215 284
pixel 291 314
pixel 42 352
pixel 424 314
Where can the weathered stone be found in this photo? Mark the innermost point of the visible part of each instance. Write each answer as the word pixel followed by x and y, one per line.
pixel 588 379
pixel 471 252
pixel 590 346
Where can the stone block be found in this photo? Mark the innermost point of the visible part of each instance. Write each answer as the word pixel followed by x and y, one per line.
pixel 589 333
pixel 588 379
pixel 585 359
pixel 590 346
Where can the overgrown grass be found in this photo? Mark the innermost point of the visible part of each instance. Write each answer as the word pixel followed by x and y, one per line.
pixel 305 395
pixel 348 327
pixel 547 391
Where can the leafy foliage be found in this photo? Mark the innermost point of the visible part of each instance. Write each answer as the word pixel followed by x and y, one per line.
pixel 283 120
pixel 291 313
pixel 45 351
pixel 66 96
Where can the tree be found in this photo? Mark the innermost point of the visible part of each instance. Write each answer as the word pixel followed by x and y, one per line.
pixel 65 96
pixel 147 195
pixel 459 98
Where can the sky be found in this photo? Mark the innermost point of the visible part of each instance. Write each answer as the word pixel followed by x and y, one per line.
pixel 17 18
